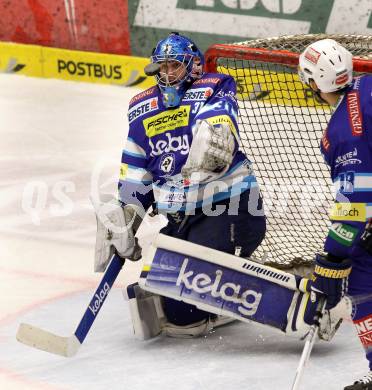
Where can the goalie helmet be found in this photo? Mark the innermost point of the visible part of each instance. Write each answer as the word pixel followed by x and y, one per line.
pixel 328 63
pixel 181 62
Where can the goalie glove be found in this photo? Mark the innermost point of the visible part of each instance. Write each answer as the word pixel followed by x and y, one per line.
pixel 211 152
pixel 116 229
pixel 330 279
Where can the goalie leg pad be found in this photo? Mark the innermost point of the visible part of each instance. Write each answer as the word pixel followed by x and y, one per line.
pixel 149 320
pixel 146 312
pixel 227 285
pixel 197 329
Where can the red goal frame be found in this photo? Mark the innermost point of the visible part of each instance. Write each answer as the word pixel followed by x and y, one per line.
pixel 284 57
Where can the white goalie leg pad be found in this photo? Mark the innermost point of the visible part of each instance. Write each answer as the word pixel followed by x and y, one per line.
pixel 146 312
pixel 149 320
pixel 232 286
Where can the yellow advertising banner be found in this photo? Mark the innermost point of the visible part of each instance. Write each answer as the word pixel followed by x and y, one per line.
pixel 21 59
pixel 39 61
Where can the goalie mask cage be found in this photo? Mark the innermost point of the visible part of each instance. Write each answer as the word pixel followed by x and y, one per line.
pixel 281 125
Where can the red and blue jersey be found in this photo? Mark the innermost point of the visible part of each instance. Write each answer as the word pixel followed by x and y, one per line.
pixel 347 149
pixel 159 141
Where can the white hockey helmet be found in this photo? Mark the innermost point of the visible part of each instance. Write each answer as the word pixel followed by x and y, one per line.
pixel 328 63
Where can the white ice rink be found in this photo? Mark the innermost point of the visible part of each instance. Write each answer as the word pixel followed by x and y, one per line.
pixel 58 142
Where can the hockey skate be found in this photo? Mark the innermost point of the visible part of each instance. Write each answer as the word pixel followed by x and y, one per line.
pixel 364 383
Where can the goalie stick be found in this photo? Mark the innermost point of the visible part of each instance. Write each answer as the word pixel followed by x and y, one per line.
pixel 310 341
pixel 68 346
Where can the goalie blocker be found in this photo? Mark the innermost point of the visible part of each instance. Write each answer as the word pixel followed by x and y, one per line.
pixel 224 285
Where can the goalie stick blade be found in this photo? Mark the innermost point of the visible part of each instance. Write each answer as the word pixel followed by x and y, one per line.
pixel 41 339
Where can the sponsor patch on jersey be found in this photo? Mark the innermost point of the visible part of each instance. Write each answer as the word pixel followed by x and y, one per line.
pixel 198 94
pixel 223 119
pixel 166 121
pixel 142 95
pixel 343 234
pixel 170 144
pixel 167 164
pixel 325 141
pixel 123 171
pixel 142 108
pixel 208 80
pixel 356 83
pixel 312 55
pixel 348 158
pixel 348 212
pixel 355 113
pixel 364 329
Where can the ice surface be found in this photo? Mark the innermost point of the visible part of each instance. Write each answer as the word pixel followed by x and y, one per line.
pixel 59 142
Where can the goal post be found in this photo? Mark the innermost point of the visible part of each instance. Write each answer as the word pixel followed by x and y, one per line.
pixel 281 125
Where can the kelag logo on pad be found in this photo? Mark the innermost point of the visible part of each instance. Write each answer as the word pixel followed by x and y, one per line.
pixel 247 300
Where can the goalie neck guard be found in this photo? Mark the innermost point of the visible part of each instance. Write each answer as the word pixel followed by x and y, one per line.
pixel 181 62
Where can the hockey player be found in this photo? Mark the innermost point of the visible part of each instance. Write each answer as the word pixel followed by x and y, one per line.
pixel 326 67
pixel 182 156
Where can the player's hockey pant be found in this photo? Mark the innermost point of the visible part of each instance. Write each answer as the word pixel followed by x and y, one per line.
pixel 223 232
pixel 360 287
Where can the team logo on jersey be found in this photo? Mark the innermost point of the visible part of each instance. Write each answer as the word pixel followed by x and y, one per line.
pixel 167 164
pixel 343 234
pixel 348 158
pixel 170 144
pixel 166 121
pixel 142 108
pixel 312 55
pixel 228 94
pixel 355 113
pixel 198 94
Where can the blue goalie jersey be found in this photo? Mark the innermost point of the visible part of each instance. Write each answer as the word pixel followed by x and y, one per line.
pixel 347 148
pixel 159 141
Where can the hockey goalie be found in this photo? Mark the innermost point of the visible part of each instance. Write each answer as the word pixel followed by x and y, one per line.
pixel 182 158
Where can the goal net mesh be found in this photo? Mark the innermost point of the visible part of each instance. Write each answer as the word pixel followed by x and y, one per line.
pixel 281 125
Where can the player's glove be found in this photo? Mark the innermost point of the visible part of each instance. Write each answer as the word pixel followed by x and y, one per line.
pixel 330 279
pixel 211 152
pixel 116 229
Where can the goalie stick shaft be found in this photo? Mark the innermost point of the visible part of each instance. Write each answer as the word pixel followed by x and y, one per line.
pixel 310 341
pixel 68 346
pixel 100 295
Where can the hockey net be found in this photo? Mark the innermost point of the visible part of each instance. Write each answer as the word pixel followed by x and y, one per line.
pixel 281 125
